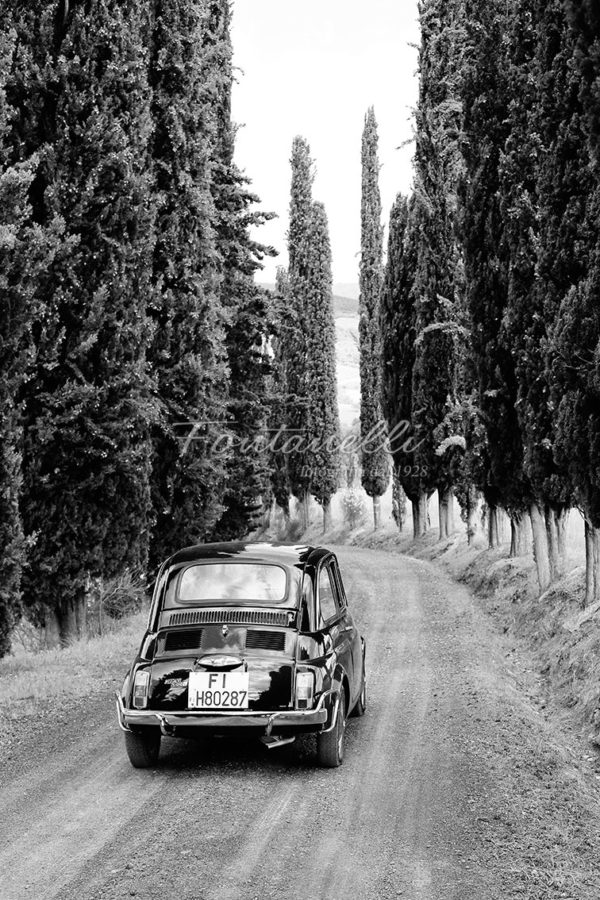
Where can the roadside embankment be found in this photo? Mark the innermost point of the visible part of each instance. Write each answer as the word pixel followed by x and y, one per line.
pixel 557 639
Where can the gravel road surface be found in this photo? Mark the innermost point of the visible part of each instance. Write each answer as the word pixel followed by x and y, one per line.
pixel 456 785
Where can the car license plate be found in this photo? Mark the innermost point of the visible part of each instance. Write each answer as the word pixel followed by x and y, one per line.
pixel 218 690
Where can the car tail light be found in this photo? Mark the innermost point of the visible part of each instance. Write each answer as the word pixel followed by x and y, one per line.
pixel 305 690
pixel 140 688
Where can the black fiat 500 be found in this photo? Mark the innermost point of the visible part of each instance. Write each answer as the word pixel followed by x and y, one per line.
pixel 248 637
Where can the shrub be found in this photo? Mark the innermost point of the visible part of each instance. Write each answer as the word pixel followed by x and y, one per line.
pixel 354 508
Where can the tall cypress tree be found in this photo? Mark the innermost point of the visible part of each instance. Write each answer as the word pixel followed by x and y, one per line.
pixel 307 343
pixel 296 347
pixel 374 453
pixel 438 287
pixel 248 308
pixel 522 327
pixel 187 353
pixel 278 458
pixel 576 336
pixel 88 404
pixel 323 456
pixel 27 251
pixel 397 325
pixel 485 95
pixel 551 142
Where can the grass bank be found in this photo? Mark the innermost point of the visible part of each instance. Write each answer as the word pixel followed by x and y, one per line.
pixel 561 639
pixel 29 677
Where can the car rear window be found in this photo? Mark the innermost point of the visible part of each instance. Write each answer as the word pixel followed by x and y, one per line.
pixel 245 582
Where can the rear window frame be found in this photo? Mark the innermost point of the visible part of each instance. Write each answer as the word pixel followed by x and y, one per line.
pixel 174 584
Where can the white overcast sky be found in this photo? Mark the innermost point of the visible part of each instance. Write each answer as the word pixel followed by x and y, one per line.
pixel 313 67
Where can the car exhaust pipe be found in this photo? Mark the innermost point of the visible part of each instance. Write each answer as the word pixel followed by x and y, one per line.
pixel 271 741
pixel 165 728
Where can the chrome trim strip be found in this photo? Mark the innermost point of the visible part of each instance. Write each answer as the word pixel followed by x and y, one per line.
pixel 121 713
pixel 229 718
pixel 334 716
pixel 228 616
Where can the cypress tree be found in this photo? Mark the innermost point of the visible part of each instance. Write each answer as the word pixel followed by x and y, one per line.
pixel 575 377
pixel 438 283
pixel 518 175
pixel 296 346
pixel 27 251
pixel 374 453
pixel 554 138
pixel 397 326
pixel 278 458
pixel 191 442
pixel 248 309
pixel 323 453
pixel 88 404
pixel 307 343
pixel 485 96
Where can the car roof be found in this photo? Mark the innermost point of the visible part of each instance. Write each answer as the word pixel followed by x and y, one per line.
pixel 251 551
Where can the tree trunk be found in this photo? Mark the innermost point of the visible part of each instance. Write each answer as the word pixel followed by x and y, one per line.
pixel 304 511
pixel 471 521
pixel 326 516
pixel 451 522
pixel 51 630
pixel 445 502
pixel 423 514
pixel 285 509
pixel 398 502
pixel 442 518
pixel 592 565
pixel 540 547
pixel 416 517
pixel 552 537
pixel 493 528
pixel 81 617
pixel 420 510
pixel 69 619
pixel 268 515
pixel 562 521
pixel 503 523
pixel 519 528
pixel 376 513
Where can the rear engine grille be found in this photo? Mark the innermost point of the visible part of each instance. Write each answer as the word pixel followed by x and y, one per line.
pixel 231 616
pixel 265 640
pixel 183 640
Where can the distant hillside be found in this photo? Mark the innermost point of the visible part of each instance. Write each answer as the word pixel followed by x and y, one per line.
pixel 346 289
pixel 344 304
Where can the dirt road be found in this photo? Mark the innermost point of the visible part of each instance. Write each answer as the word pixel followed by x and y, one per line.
pixel 456 786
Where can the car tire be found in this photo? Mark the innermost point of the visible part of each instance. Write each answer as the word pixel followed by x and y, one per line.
pixel 143 747
pixel 361 704
pixel 330 744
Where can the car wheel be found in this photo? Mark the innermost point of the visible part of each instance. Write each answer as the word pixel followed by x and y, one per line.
pixel 330 745
pixel 361 703
pixel 143 747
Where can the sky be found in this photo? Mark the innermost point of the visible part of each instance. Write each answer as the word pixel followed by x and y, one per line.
pixel 312 68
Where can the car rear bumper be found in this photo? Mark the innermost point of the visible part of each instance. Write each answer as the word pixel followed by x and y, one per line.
pixel 290 720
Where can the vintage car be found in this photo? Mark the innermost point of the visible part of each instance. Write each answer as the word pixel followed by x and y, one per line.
pixel 246 637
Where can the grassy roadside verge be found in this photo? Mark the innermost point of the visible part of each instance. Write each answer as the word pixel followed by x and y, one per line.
pixel 31 678
pixel 561 639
